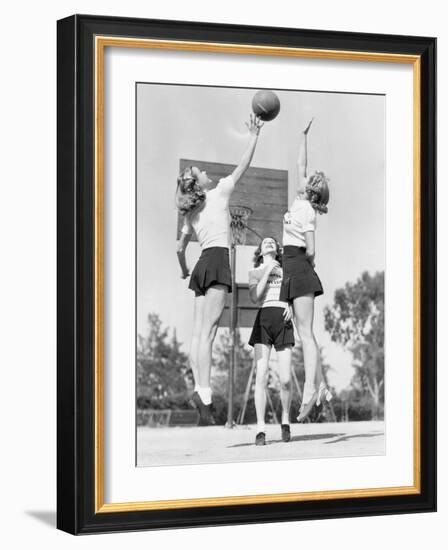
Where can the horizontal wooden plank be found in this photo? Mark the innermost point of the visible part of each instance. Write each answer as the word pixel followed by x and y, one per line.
pixel 243 298
pixel 247 311
pixel 246 318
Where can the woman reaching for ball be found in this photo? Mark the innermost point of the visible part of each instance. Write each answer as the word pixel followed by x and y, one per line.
pixel 300 282
pixel 205 206
pixel 272 328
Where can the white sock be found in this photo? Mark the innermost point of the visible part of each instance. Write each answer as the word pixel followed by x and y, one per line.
pixel 205 394
pixel 285 418
pixel 261 427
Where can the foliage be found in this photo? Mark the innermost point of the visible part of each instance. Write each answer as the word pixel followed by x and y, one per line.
pixel 163 374
pixel 356 320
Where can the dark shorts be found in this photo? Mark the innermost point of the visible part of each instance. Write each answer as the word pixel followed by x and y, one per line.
pixel 299 277
pixel 271 329
pixel 212 268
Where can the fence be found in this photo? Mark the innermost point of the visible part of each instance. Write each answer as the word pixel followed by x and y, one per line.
pixel 159 418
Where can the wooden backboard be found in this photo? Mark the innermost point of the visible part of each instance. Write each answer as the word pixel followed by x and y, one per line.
pixel 265 190
pixel 246 309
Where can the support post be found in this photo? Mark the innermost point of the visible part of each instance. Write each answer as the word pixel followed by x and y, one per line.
pixel 247 393
pixel 233 322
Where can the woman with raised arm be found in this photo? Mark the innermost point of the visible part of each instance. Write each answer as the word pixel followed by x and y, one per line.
pixel 300 282
pixel 272 328
pixel 205 206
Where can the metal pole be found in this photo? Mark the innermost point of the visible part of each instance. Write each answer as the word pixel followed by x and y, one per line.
pixel 247 392
pixel 233 321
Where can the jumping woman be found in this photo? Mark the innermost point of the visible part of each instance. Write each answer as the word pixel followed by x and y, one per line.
pixel 272 328
pixel 300 282
pixel 205 206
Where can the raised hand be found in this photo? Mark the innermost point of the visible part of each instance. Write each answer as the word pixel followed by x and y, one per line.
pixel 307 129
pixel 271 266
pixel 255 125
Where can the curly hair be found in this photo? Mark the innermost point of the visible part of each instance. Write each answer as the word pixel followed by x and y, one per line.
pixel 189 195
pixel 318 192
pixel 258 256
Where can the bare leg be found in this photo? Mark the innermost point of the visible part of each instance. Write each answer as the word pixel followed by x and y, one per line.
pixel 214 302
pixel 284 368
pixel 194 346
pixel 262 354
pixel 304 317
pixel 319 375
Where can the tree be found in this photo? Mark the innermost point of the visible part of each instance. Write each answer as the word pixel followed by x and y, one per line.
pixel 163 374
pixel 356 320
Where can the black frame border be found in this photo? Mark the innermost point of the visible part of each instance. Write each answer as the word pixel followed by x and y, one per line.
pixel 76 263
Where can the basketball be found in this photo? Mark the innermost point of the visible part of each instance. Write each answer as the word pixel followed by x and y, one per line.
pixel 266 104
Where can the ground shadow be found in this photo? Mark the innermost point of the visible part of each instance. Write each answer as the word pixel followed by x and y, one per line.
pixel 310 437
pixel 348 437
pixel 44 516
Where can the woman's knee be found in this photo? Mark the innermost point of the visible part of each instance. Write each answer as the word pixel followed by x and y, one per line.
pixel 304 329
pixel 261 378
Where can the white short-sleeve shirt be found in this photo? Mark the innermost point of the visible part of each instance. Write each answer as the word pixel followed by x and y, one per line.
pixel 299 219
pixel 271 296
pixel 212 222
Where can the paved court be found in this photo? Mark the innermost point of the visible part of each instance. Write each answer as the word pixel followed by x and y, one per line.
pixel 174 446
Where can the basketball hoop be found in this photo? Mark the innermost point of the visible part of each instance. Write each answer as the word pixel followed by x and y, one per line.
pixel 238 223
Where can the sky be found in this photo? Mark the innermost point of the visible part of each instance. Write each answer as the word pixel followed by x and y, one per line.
pixel 346 141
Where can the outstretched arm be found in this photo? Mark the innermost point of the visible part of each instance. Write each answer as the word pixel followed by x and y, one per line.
pixel 254 126
pixel 181 248
pixel 302 160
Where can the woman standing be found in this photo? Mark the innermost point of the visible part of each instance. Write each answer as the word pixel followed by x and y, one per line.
pixel 272 328
pixel 205 206
pixel 300 282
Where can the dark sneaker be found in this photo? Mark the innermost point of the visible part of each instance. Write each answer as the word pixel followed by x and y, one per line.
pixel 286 433
pixel 260 438
pixel 205 411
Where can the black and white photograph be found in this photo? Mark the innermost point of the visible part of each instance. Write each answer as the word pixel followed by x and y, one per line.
pixel 260 267
pixel 221 310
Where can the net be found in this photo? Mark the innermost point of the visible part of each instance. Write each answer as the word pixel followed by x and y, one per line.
pixel 238 223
